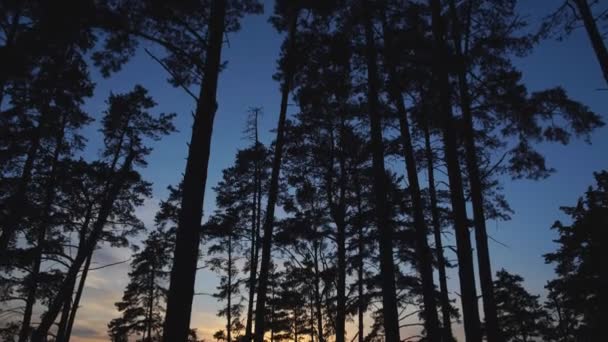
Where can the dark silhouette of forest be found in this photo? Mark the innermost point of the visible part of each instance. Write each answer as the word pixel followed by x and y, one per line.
pixel 318 228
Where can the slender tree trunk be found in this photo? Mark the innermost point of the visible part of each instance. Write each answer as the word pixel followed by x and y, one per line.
pixel 229 292
pixel 63 321
pixel 151 303
pixel 187 240
pixel 318 295
pixel 481 236
pixel 76 304
pixel 341 285
pixel 463 243
pixel 360 251
pixel 42 231
pixel 16 202
pixel 441 263
pixel 272 313
pixel 424 255
pixel 31 296
pixel 64 329
pixel 338 214
pixel 65 290
pixel 594 35
pixel 253 265
pixel 387 266
pixel 260 308
pixel 312 319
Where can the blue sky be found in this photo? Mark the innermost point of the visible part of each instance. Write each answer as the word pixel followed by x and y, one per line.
pixel 247 82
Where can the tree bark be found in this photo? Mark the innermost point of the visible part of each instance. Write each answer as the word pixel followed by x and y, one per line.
pixel 338 214
pixel 594 35
pixel 229 292
pixel 260 308
pixel 481 236
pixel 441 263
pixel 77 297
pixel 187 240
pixel 387 266
pixel 466 271
pixel 423 252
pixel 255 236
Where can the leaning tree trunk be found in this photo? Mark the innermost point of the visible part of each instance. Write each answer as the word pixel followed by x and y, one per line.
pixel 260 307
pixel 64 328
pixel 481 235
pixel 16 202
pixel 76 304
pixel 387 266
pixel 594 35
pixel 187 240
pixel 423 252
pixel 49 198
pixel 466 271
pixel 66 287
pixel 63 321
pixel 441 263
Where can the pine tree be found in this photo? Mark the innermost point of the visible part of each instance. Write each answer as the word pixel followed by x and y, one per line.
pixel 223 228
pixel 142 304
pixel 576 293
pixel 125 125
pixel 520 314
pixel 290 13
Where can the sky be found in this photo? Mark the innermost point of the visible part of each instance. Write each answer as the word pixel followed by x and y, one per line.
pixel 247 82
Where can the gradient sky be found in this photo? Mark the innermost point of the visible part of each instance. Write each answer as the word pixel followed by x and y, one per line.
pixel 247 82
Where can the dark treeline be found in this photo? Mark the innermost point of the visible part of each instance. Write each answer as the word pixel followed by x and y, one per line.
pixel 409 117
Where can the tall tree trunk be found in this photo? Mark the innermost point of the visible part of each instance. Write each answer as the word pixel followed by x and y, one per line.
pixel 253 262
pixel 594 35
pixel 338 214
pixel 360 252
pixel 77 298
pixel 341 284
pixel 17 200
pixel 466 271
pixel 441 262
pixel 312 319
pixel 229 292
pixel 65 290
pixel 67 318
pixel 63 321
pixel 42 231
pixel 481 236
pixel 260 308
pixel 318 303
pixel 423 252
pixel 187 240
pixel 387 266
pixel 150 315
